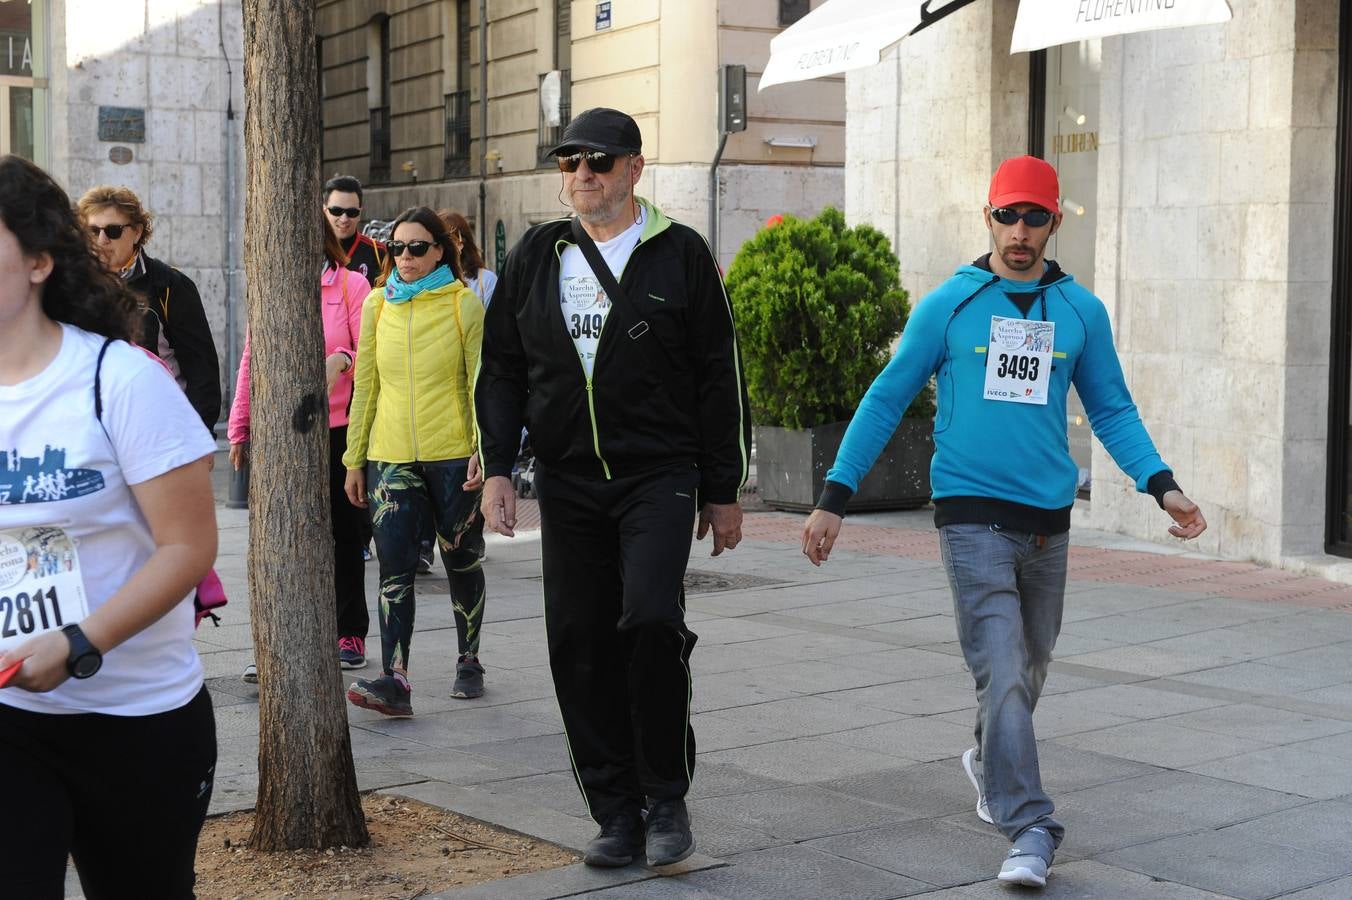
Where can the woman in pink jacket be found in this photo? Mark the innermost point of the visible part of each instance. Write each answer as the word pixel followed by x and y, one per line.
pixel 341 295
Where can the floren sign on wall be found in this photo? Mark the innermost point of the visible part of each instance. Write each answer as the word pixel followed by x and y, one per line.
pixel 1046 23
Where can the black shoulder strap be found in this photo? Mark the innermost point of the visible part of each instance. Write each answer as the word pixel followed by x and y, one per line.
pixel 98 383
pixel 598 263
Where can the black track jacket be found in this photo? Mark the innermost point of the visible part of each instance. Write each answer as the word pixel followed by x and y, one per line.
pixel 667 387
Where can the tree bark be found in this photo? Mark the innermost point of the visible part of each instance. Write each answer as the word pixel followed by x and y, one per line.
pixel 307 787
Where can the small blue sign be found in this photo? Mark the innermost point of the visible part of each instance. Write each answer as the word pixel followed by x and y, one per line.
pixel 603 15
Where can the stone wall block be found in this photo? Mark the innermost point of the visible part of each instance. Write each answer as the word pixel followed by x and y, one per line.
pixel 1198 312
pixel 1251 322
pixel 1203 44
pixel 1312 167
pixel 1221 241
pixel 208 130
pixel 1270 86
pixel 170 132
pixel 1306 403
pixel 198 241
pixel 1161 242
pixel 1266 242
pixel 1223 102
pixel 1190 171
pixel 199 35
pixel 1307 321
pixel 180 83
pixel 1316 25
pixel 1315 95
pixel 1255 166
pixel 1259 28
pixel 175 190
pixel 1173 108
pixel 213 190
pixel 1222 473
pixel 121 82
pixel 1140 174
pixel 1311 237
pixel 1301 504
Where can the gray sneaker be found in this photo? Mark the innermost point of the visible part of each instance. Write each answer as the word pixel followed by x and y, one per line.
pixel 1029 859
pixel 1026 869
pixel 969 766
pixel 469 679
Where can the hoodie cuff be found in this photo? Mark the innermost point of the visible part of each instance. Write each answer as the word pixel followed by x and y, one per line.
pixel 834 497
pixel 1160 484
pixel 494 470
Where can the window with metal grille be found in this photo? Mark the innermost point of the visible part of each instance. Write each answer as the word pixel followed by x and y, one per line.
pixel 457 134
pixel 791 11
pixel 552 134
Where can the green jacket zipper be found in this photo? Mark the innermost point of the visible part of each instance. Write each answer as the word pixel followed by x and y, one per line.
pixel 412 404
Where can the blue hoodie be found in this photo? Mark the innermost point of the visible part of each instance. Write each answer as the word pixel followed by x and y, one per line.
pixel 1014 454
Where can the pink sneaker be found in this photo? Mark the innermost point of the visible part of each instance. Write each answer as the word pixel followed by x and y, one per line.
pixel 352 652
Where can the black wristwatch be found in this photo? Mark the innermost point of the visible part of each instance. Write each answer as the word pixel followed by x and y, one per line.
pixel 85 659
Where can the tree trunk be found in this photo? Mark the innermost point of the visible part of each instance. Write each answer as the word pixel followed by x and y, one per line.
pixel 307 788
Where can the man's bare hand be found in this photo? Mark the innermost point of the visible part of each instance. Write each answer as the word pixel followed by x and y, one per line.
pixel 1186 514
pixel 726 521
pixel 474 476
pixel 819 535
pixel 499 505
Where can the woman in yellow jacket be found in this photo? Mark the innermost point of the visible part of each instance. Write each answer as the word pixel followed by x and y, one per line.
pixel 412 439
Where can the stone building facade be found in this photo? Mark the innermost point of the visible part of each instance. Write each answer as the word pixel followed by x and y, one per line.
pixel 140 93
pixel 1198 173
pixel 401 89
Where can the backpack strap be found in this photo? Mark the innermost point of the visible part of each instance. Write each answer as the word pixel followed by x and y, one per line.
pixel 98 384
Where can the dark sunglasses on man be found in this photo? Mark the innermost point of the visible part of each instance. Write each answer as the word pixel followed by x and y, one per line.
pixel 338 212
pixel 1036 218
pixel 600 163
pixel 417 248
pixel 113 231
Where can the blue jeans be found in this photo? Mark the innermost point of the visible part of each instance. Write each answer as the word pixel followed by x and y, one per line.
pixel 1008 592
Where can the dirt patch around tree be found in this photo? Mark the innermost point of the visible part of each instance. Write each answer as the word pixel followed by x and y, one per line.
pixel 415 849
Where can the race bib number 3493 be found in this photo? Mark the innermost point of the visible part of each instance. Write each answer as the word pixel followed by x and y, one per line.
pixel 1019 360
pixel 41 588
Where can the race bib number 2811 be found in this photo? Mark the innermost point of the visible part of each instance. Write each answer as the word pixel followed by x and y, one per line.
pixel 41 588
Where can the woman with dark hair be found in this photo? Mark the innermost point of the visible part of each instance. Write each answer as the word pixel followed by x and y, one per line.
pixel 173 324
pixel 412 437
pixel 341 292
pixel 104 468
pixel 472 270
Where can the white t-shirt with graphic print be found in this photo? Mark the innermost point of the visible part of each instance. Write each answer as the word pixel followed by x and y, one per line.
pixel 583 300
pixel 64 494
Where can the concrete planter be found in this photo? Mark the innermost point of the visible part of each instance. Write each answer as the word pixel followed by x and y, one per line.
pixel 791 466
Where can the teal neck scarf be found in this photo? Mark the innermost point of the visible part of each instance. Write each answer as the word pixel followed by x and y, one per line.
pixel 397 290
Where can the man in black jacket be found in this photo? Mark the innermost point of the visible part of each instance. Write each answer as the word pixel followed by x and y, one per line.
pixel 611 338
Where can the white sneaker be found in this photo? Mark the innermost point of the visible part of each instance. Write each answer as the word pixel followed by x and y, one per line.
pixel 968 765
pixel 1024 869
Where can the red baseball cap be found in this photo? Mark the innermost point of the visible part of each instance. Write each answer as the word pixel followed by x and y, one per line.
pixel 1025 179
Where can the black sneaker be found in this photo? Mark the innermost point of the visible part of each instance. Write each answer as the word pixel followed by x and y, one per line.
pixel 426 556
pixel 669 837
pixel 388 694
pixel 469 679
pixel 618 842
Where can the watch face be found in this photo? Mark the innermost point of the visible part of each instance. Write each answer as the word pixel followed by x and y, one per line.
pixel 86 665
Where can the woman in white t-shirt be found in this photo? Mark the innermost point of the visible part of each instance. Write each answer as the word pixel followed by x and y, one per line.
pixel 472 270
pixel 105 725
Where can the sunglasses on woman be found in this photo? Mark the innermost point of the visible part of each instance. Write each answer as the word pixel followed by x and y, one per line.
pixel 1035 218
pixel 113 231
pixel 417 248
pixel 600 163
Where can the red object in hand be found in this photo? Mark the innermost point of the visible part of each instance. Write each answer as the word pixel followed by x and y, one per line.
pixel 9 673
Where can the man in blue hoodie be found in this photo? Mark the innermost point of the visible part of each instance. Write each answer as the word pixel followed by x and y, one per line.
pixel 1006 337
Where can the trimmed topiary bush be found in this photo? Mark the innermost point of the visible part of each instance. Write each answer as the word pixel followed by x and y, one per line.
pixel 818 306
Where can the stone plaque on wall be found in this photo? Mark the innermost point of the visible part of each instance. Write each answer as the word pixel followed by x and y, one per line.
pixel 123 124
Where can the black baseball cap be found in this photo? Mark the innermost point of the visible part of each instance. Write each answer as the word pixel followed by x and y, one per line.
pixel 599 128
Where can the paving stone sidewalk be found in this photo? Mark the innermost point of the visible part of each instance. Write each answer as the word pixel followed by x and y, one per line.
pixel 1196 731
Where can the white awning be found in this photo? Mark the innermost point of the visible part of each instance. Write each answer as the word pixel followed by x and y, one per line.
pixel 838 36
pixel 841 35
pixel 1046 23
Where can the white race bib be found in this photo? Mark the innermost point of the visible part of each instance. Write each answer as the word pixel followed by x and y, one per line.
pixel 585 308
pixel 1019 360
pixel 41 588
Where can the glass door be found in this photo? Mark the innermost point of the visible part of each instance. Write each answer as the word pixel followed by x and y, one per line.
pixel 1070 126
pixel 1338 503
pixel 20 71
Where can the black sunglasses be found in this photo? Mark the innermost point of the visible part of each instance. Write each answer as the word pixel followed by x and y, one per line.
pixel 113 231
pixel 600 163
pixel 351 212
pixel 1035 218
pixel 417 248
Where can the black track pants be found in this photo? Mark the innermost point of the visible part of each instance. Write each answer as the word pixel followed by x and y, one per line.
pixel 614 555
pixel 124 795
